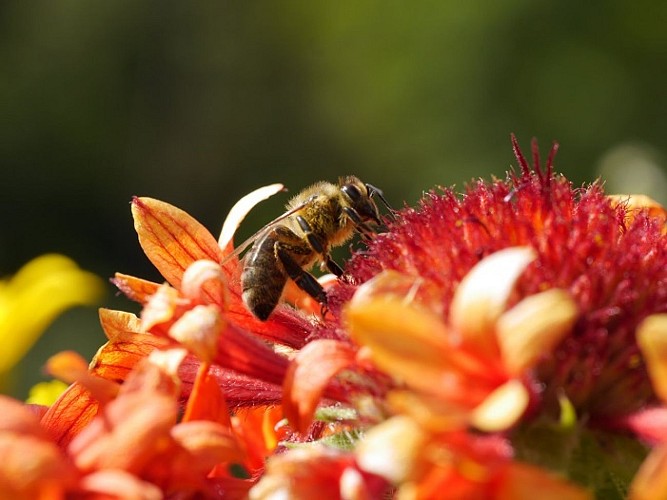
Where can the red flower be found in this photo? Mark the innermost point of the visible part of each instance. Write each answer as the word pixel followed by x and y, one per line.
pixel 479 348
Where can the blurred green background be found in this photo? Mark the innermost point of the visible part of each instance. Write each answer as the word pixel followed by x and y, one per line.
pixel 197 103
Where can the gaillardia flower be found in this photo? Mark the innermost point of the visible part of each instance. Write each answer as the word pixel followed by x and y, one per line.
pixel 504 343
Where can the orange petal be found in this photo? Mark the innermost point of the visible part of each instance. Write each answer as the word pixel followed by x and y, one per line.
pixel 131 431
pixel 118 484
pixel 410 343
pixel 206 401
pixel 70 367
pixel 481 297
pixel 435 413
pixel 409 289
pixel 522 482
pixel 257 428
pixel 116 358
pixel 309 472
pixel 133 288
pixel 31 467
pixel 18 418
pixel 172 239
pixel 208 443
pixel 116 323
pixel 650 482
pixel 534 327
pixel 308 375
pixel 73 410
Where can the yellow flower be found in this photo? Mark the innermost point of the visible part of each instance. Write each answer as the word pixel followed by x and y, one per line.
pixel 35 296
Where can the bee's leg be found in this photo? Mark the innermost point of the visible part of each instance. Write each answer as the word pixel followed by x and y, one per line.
pixel 303 279
pixel 353 215
pixel 363 228
pixel 332 266
pixel 316 244
pixel 313 240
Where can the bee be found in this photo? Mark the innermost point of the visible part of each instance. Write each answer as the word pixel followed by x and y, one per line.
pixel 320 217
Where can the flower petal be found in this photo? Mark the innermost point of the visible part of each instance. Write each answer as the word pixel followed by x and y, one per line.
pixel 127 345
pixel 502 408
pixel 392 449
pixel 160 308
pixel 652 340
pixel 135 288
pixel 308 375
pixel 208 443
pixel 204 272
pixel 70 367
pixel 481 297
pixel 72 412
pixel 40 291
pixel 32 468
pixel 115 483
pixel 171 238
pixel 523 481
pixel 240 209
pixel 409 342
pixel 199 330
pixel 129 433
pixel 17 418
pixel 206 401
pixel 633 203
pixel 534 327
pixel 650 482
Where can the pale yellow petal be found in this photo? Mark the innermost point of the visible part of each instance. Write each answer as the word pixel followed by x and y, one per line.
pixel 534 327
pixel 481 297
pixel 392 449
pixel 652 340
pixel 502 408
pixel 199 330
pixel 241 208
pixel 199 274
pixel 160 307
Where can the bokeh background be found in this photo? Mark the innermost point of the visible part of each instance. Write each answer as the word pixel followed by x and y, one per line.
pixel 197 103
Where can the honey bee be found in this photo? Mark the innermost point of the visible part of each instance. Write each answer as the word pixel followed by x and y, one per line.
pixel 320 217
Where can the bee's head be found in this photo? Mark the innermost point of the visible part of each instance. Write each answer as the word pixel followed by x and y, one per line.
pixel 360 198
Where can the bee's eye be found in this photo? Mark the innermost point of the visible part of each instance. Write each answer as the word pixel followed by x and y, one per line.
pixel 352 192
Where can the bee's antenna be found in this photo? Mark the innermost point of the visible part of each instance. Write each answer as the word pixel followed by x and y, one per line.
pixel 372 191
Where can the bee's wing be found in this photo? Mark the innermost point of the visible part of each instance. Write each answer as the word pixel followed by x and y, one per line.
pixel 243 246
